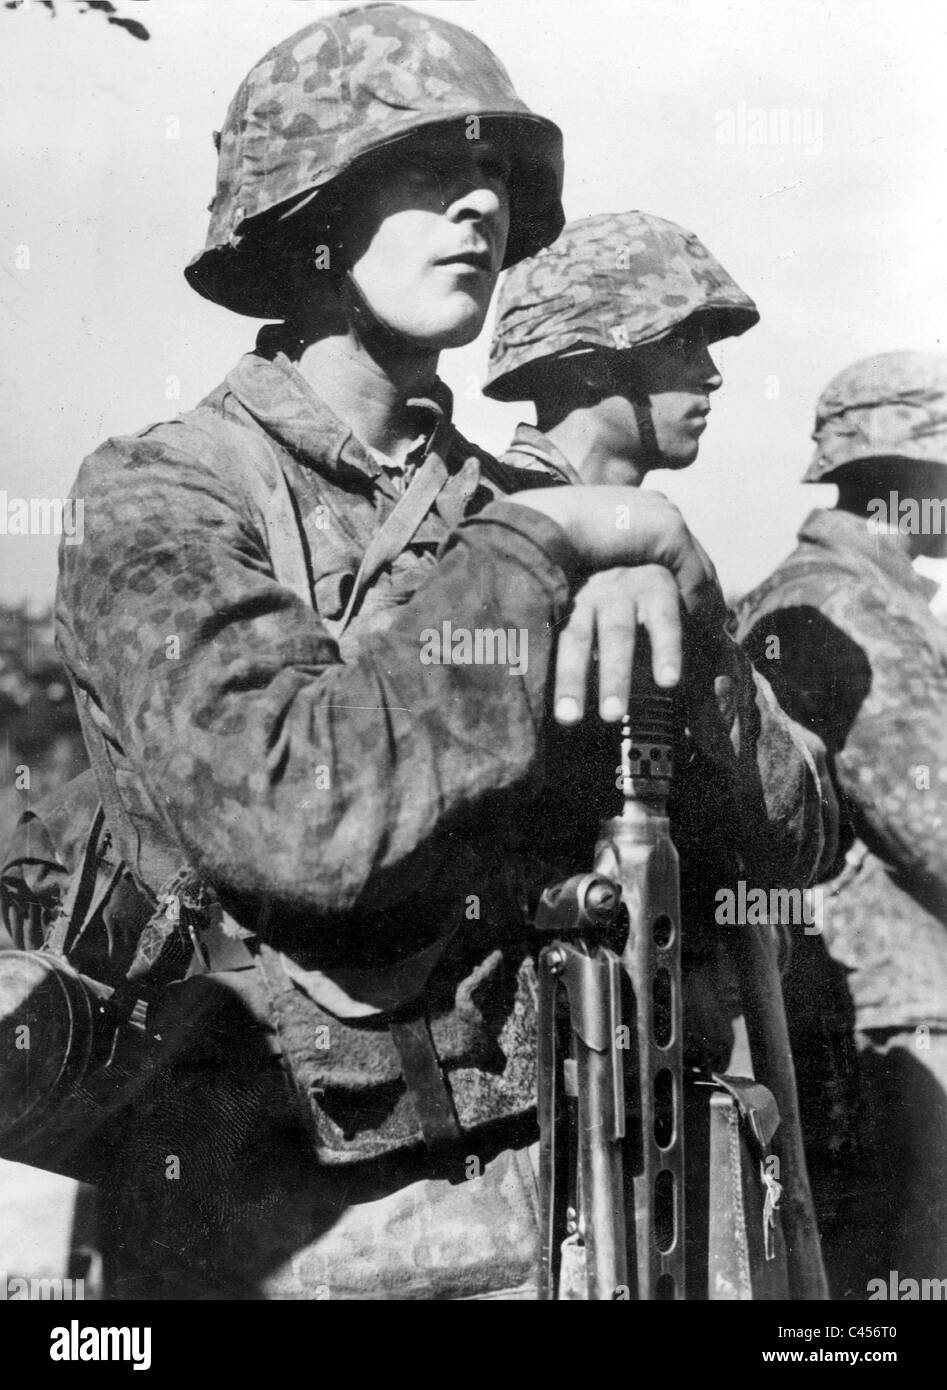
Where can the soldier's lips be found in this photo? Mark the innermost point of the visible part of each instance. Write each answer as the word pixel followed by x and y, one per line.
pixel 469 261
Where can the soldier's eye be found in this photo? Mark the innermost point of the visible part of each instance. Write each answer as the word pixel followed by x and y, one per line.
pixel 693 338
pixel 497 166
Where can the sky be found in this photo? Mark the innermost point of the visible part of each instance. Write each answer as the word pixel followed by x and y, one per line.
pixel 835 223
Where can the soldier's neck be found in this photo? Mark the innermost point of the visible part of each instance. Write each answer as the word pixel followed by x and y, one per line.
pixel 591 452
pixel 369 394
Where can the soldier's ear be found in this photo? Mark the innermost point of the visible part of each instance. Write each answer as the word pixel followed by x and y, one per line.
pixel 601 376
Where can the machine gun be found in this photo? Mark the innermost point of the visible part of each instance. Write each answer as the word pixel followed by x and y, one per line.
pixel 612 1089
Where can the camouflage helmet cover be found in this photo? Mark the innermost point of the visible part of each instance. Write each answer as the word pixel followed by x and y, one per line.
pixel 890 405
pixel 344 87
pixel 618 280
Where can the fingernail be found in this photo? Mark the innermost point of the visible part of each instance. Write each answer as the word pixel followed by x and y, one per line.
pixel 612 708
pixel 567 711
pixel 668 675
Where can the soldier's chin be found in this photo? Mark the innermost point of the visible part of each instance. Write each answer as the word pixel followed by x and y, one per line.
pixel 681 456
pixel 459 323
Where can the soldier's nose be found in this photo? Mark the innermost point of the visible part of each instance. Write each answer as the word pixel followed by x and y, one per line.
pixel 476 199
pixel 712 380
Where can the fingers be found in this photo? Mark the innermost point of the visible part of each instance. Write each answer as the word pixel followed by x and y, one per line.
pixel 648 597
pixel 617 624
pixel 573 658
pixel 606 612
pixel 659 612
pixel 620 530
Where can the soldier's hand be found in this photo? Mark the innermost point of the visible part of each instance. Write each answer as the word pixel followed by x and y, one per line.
pixel 607 611
pixel 611 526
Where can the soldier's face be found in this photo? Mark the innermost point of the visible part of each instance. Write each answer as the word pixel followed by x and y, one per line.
pixel 678 375
pixel 426 244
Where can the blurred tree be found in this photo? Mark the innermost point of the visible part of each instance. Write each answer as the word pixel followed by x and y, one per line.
pixel 40 741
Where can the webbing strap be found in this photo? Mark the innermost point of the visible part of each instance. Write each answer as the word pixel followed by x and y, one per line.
pixel 270 490
pixel 87 894
pixel 388 543
pixel 285 535
pixel 425 1081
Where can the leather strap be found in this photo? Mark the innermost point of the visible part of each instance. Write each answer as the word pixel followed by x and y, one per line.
pixel 288 550
pixel 757 1106
pixel 734 1266
pixel 650 450
pixel 388 543
pixel 89 891
pixel 425 1081
pixel 271 492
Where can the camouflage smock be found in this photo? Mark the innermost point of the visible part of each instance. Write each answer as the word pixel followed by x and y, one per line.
pixel 215 703
pixel 859 658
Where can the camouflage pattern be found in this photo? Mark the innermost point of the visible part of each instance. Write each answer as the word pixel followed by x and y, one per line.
pixel 343 87
pixel 894 403
pixel 530 448
pixel 863 663
pixel 617 281
pixel 365 799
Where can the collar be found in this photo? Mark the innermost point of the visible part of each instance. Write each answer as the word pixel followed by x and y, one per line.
pixel 280 399
pixel 530 443
pixel 832 529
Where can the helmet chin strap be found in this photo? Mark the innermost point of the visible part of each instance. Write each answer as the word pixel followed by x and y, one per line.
pixel 651 456
pixel 649 451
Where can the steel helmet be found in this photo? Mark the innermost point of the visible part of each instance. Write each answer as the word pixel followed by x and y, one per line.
pixel 617 281
pixel 893 404
pixel 338 90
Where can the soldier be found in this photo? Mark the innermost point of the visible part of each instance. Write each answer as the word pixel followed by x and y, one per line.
pixel 298 761
pixel 607 332
pixel 844 630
